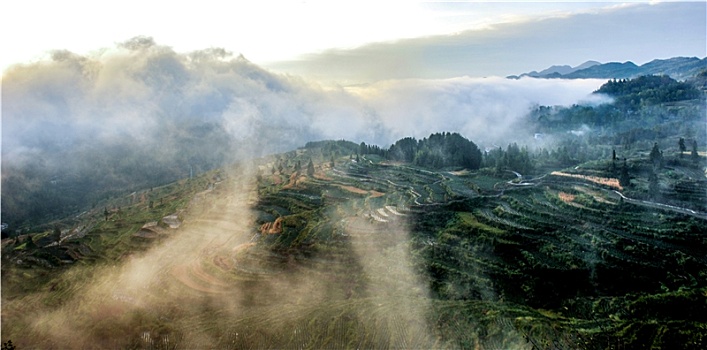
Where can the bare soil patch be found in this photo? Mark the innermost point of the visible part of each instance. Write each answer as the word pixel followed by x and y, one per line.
pixel 606 181
pixel 353 189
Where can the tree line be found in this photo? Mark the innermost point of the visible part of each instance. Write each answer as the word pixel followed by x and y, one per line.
pixel 634 100
pixel 439 150
pixel 648 89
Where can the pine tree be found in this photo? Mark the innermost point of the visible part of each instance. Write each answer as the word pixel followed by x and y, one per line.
pixel 694 155
pixel 30 242
pixel 56 234
pixel 362 149
pixel 681 144
pixel 625 178
pixel 310 168
pixel 656 156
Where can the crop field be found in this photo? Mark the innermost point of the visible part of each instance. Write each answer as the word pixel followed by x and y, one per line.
pixel 366 255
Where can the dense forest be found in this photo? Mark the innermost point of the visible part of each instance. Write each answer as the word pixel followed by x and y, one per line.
pixel 636 104
pixel 647 90
pixel 439 150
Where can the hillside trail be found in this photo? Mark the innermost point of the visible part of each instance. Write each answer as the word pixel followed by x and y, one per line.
pixel 610 193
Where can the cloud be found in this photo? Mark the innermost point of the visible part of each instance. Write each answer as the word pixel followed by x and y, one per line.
pixel 486 110
pixel 143 94
pixel 639 32
pixel 141 113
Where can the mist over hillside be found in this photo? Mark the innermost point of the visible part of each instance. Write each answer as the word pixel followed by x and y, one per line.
pixel 78 129
pixel 153 199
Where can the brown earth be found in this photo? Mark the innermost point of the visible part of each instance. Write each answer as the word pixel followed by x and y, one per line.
pixel 272 228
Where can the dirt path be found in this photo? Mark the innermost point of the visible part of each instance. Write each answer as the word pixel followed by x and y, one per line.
pixel 657 205
pixel 615 194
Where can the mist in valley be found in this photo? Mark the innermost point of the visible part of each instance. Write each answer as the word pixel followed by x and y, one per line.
pixel 361 177
pixel 82 132
pixel 140 115
pixel 209 285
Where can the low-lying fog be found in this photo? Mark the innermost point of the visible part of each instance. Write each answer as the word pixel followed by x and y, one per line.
pixel 144 103
pixel 140 114
pixel 141 93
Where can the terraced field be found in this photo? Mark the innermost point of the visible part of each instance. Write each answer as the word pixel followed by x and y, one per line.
pixel 374 255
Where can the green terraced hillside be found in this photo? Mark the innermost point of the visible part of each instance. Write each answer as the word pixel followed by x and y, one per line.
pixel 366 254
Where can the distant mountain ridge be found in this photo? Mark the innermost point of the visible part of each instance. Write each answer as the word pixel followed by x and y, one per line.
pixel 679 68
pixel 554 71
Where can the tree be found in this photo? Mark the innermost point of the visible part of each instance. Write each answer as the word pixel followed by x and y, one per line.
pixel 646 90
pixel 694 155
pixel 437 151
pixel 310 168
pixel 331 161
pixel 498 169
pixel 613 154
pixel 30 242
pixel 625 178
pixel 404 150
pixel 682 146
pixel 105 212
pixel 656 156
pixel 56 234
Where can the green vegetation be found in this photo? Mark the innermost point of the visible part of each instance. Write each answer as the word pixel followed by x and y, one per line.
pixel 595 244
pixel 650 89
pixel 438 151
pixel 658 101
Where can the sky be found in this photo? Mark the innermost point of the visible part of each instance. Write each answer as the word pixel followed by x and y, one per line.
pixel 123 90
pixel 363 71
pixel 365 38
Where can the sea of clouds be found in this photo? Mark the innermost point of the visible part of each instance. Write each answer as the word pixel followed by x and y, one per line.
pixel 142 93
